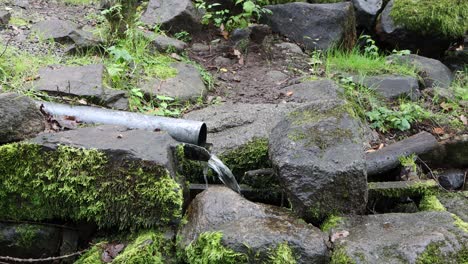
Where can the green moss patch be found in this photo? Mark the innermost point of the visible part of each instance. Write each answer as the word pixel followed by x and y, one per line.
pixel 431 203
pixel 331 222
pixel 251 156
pixel 26 235
pixel 340 256
pixel 403 188
pixel 447 18
pixel 283 254
pixel 84 184
pixel 432 255
pixel 208 249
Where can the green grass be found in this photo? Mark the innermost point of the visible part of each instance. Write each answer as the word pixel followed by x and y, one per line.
pixel 448 18
pixel 79 2
pixel 362 64
pixel 18 21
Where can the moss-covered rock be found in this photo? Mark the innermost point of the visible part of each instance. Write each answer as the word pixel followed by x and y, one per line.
pixel 70 183
pixel 402 188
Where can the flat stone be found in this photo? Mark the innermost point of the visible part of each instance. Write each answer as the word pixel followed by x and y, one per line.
pixel 316 26
pixel 186 86
pixel 393 86
pixel 4 18
pixel 163 43
pixel 175 16
pixel 275 77
pixel 289 48
pixel 58 30
pixel 260 227
pixel 20 118
pixel 313 90
pixel 317 153
pixel 79 81
pixel 398 238
pixel 456 203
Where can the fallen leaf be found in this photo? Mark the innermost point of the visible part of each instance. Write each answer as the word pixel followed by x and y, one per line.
pixel 338 235
pixel 446 106
pixel 370 150
pixel 82 101
pixel 464 120
pixel 289 93
pixel 381 146
pixel 224 33
pixel 237 53
pixel 241 60
pixel 438 130
pixel 223 70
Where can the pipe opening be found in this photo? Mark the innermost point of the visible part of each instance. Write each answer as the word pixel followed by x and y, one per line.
pixel 202 135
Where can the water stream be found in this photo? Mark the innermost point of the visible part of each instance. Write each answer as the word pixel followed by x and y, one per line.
pixel 224 173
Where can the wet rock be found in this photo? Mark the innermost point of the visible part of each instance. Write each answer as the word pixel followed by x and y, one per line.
pixel 186 86
pixel 396 36
pixel 456 203
pixel 433 72
pixel 366 12
pixel 260 227
pixel 451 153
pixel 231 126
pixel 397 238
pixel 451 179
pixel 316 26
pixel 313 90
pixel 163 43
pixel 4 18
pixel 386 159
pixel 79 81
pixel 56 29
pixel 174 16
pixel 289 48
pixel 20 118
pixel 36 241
pixel 311 150
pixel 393 87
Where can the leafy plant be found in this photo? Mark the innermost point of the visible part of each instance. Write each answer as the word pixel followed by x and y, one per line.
pixel 184 36
pixel 408 161
pixel 385 119
pixel 370 48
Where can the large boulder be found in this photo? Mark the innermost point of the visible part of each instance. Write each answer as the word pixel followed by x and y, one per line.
pixel 455 203
pixel 56 29
pixel 80 81
pixel 317 153
pixel 393 86
pixel 187 85
pixel 313 90
pixel 424 237
pixel 107 175
pixel 20 118
pixel 433 72
pixel 398 36
pixel 249 228
pixel 174 16
pixel 366 12
pixel 316 26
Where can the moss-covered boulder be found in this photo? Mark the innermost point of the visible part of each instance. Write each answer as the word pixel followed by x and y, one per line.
pixel 107 175
pixel 317 153
pixel 223 227
pixel 424 237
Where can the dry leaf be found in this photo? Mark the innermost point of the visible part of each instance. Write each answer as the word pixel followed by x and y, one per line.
pixel 241 60
pixel 237 53
pixel 224 33
pixel 381 146
pixel 464 120
pixel 446 106
pixel 438 130
pixel 337 235
pixel 289 93
pixel 223 70
pixel 370 150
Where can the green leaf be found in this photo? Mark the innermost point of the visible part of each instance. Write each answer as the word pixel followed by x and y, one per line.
pixel 249 7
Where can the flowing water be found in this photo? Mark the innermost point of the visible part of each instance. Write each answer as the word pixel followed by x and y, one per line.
pixel 224 173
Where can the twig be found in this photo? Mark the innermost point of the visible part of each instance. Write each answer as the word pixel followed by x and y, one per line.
pixel 6 46
pixel 31 260
pixel 432 174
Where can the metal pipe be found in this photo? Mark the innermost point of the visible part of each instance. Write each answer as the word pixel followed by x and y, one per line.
pixel 188 131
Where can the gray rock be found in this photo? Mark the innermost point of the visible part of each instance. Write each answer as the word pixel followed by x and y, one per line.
pixel 200 47
pixel 313 90
pixel 396 36
pixel 317 153
pixel 174 16
pixel 223 61
pixel 452 179
pixel 399 238
pixel 4 18
pixel 186 86
pixel 231 126
pixel 259 32
pixel 21 3
pixel 275 77
pixel 20 118
pixel 260 227
pixel 35 241
pixel 58 30
pixel 163 43
pixel 83 41
pixel 393 86
pixel 456 203
pixel 366 12
pixel 289 48
pixel 78 81
pixel 452 153
pixel 316 26
pixel 433 72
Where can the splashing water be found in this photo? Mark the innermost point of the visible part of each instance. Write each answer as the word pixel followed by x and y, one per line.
pixel 224 173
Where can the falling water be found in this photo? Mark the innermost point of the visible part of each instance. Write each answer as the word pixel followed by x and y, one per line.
pixel 224 173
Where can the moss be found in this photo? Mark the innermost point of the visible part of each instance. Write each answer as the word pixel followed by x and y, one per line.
pixel 282 254
pixel 412 189
pixel 431 203
pixel 340 256
pixel 191 169
pixel 460 223
pixel 252 155
pixel 92 256
pixel 26 235
pixel 323 139
pixel 431 255
pixel 447 18
pixel 18 21
pixel 208 249
pixel 314 113
pixel 83 184
pixel 462 255
pixel 331 222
